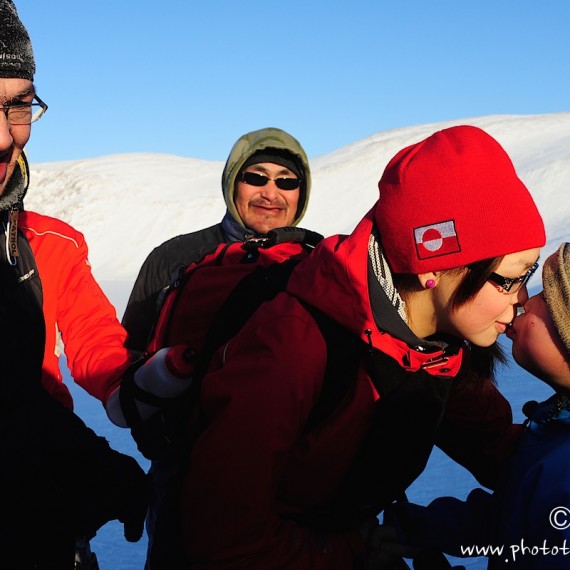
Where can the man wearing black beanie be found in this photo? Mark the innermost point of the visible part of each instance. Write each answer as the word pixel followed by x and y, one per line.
pixel 61 481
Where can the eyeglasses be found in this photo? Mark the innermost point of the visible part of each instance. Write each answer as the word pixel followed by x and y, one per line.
pixel 24 113
pixel 255 179
pixel 509 285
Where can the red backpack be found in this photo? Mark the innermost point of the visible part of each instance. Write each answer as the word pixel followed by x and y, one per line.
pixel 211 299
pixel 205 306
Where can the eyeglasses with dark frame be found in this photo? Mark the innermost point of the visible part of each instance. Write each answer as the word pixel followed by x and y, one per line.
pixel 509 285
pixel 24 113
pixel 255 179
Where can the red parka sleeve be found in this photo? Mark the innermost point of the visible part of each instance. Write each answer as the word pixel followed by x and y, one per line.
pixel 75 306
pixel 92 335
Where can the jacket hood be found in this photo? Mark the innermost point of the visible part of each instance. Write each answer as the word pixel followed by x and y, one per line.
pixel 249 144
pixel 336 279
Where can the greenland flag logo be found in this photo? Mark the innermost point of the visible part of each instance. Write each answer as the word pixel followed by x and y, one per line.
pixel 436 239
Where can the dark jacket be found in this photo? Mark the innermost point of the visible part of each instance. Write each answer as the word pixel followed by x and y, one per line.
pixel 156 273
pixel 59 479
pixel 527 516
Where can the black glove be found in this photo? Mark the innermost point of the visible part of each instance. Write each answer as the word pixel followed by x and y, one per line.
pixel 116 488
pixel 135 502
pixel 64 473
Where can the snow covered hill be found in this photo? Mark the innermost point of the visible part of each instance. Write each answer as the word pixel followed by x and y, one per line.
pixel 127 204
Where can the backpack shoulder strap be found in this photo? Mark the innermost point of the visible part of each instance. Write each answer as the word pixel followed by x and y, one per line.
pixel 343 358
pixel 308 238
pixel 259 286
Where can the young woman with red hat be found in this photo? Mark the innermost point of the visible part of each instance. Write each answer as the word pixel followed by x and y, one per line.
pixel 424 286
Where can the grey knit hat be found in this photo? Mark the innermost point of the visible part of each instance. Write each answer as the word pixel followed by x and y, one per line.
pixel 556 283
pixel 16 54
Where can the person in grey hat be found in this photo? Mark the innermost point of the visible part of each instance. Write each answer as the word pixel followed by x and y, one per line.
pixel 266 184
pixel 61 481
pixel 541 334
pixel 529 513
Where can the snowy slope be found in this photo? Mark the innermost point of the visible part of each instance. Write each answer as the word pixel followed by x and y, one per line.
pixel 127 204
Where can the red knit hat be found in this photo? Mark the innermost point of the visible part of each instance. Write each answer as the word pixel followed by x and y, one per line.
pixel 452 199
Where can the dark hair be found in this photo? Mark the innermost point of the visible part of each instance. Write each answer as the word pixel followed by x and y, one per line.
pixel 476 275
pixel 483 359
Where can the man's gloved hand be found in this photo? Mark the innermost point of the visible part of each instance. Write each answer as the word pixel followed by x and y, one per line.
pixel 118 490
pixel 135 501
pixel 103 485
pixel 384 551
pixel 65 473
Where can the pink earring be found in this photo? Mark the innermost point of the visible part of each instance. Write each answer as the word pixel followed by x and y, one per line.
pixel 430 283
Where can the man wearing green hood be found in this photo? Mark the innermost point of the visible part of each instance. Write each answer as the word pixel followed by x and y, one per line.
pixel 265 183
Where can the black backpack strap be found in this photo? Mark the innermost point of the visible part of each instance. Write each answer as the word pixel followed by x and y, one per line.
pixel 261 285
pixel 344 349
pixel 308 238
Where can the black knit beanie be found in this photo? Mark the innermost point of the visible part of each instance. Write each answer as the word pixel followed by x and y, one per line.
pixel 276 156
pixel 16 54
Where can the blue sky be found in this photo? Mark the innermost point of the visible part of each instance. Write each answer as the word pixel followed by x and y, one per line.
pixel 188 78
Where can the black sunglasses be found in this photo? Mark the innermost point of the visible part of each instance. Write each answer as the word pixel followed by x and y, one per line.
pixel 255 179
pixel 510 285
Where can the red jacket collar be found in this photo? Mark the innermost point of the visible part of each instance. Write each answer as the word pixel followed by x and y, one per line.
pixel 334 279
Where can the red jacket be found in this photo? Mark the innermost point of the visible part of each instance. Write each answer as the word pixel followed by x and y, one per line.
pixel 75 306
pixel 253 469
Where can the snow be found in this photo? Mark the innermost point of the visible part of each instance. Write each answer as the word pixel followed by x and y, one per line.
pixel 127 204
